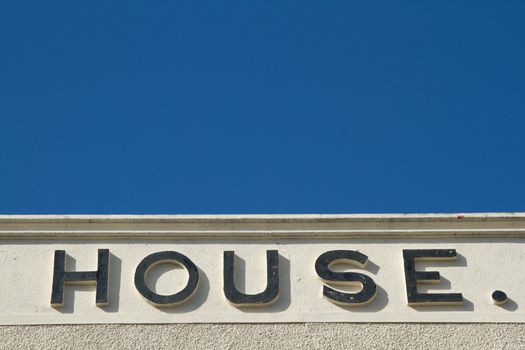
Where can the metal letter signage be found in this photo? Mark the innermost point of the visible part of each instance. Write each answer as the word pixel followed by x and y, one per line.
pixel 262 268
pixel 155 259
pixel 413 277
pixel 268 296
pixel 333 257
pixel 61 277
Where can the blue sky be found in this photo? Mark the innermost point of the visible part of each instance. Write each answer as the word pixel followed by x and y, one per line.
pixel 177 107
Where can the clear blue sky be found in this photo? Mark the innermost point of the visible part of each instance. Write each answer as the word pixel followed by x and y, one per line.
pixel 175 107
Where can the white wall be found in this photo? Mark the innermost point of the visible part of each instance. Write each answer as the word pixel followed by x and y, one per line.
pixel 266 336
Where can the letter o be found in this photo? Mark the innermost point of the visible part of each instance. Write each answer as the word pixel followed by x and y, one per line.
pixel 167 257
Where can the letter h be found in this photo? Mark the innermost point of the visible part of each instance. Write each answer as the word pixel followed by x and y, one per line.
pixel 61 277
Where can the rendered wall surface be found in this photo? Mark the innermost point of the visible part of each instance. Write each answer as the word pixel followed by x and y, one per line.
pixel 483 265
pixel 471 234
pixel 266 336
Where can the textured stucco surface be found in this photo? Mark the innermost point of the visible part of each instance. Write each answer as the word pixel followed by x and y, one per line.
pixel 266 336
